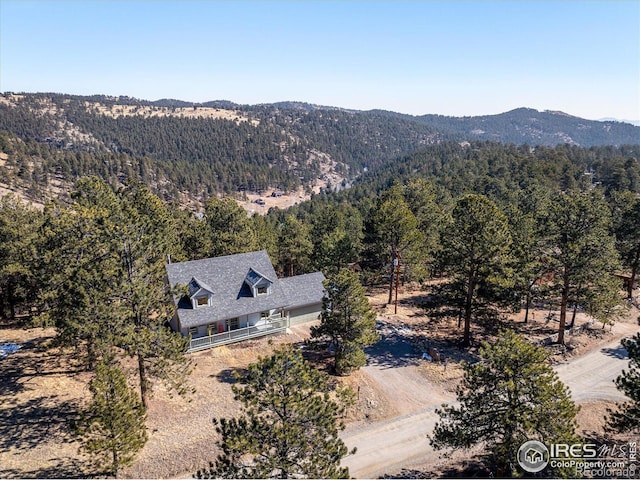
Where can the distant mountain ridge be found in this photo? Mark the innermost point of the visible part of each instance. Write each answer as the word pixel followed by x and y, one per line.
pixel 527 125
pixel 200 149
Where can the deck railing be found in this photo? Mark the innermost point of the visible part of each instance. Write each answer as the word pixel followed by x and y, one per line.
pixel 272 324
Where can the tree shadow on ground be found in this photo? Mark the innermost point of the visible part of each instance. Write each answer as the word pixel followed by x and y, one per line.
pixel 410 473
pixel 33 359
pixel 618 352
pixel 64 468
pixel 394 349
pixel 25 425
pixel 228 375
pixel 468 469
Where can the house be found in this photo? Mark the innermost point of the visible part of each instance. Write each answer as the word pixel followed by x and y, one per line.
pixel 236 297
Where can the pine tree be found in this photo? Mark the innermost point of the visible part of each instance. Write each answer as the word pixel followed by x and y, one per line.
pixel 294 246
pixel 230 229
pixel 19 244
pixel 112 429
pixel 108 280
pixel 627 416
pixel 475 246
pixel 347 319
pixel 396 230
pixel 626 226
pixel 145 234
pixel 510 396
pixel 579 248
pixel 288 426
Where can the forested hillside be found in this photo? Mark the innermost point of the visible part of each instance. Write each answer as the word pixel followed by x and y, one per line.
pixel 501 229
pixel 526 125
pixel 185 150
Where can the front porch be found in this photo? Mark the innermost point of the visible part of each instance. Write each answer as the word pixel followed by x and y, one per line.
pixel 272 324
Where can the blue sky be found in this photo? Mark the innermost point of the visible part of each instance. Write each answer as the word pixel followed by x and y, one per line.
pixel 447 57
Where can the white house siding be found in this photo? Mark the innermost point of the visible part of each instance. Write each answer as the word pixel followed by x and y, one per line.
pixel 253 319
pixel 305 314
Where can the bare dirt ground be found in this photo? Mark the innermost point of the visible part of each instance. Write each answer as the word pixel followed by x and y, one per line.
pixel 42 389
pixel 398 447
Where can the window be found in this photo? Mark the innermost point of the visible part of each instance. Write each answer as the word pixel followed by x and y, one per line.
pixel 264 315
pixel 193 331
pixel 212 329
pixel 233 324
pixel 202 301
pixel 263 290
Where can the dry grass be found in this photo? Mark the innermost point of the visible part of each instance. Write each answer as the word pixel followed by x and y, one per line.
pixel 42 390
pixel 116 111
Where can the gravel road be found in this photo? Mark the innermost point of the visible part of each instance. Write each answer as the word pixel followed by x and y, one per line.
pixel 386 446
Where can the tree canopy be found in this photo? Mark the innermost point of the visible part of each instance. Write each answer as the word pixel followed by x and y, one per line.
pixel 510 396
pixel 347 319
pixel 288 424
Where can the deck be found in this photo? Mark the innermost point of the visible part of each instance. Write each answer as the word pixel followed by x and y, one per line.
pixel 267 327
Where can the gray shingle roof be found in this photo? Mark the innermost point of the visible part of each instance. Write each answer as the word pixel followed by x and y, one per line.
pixel 303 290
pixel 225 278
pixel 195 285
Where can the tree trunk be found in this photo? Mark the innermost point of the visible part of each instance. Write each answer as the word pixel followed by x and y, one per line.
pixel 144 382
pixel 563 307
pixel 527 304
pixel 391 278
pixel 467 311
pixel 573 316
pixel 115 465
pixel 634 273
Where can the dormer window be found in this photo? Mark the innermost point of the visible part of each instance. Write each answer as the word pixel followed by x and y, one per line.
pixel 200 294
pixel 202 301
pixel 257 283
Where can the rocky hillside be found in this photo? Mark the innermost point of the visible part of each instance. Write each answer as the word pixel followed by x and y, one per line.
pixel 187 152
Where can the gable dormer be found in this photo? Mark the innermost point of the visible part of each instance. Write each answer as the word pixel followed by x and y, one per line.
pixel 200 294
pixel 258 283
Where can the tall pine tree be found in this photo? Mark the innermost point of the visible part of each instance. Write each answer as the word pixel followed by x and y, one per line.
pixel 288 426
pixel 510 396
pixel 112 428
pixel 626 418
pixel 347 319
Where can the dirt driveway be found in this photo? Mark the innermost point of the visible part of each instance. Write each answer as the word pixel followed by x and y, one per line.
pixel 388 446
pixel 384 446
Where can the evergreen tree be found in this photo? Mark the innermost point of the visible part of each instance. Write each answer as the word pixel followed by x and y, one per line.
pixel 475 246
pixel 112 429
pixel 20 242
pixel 294 246
pixel 626 418
pixel 337 236
pixel 579 247
pixel 396 231
pixel 230 230
pixel 420 197
pixel 528 262
pixel 347 319
pixel 108 280
pixel 83 271
pixel 626 228
pixel 288 427
pixel 145 235
pixel 510 396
